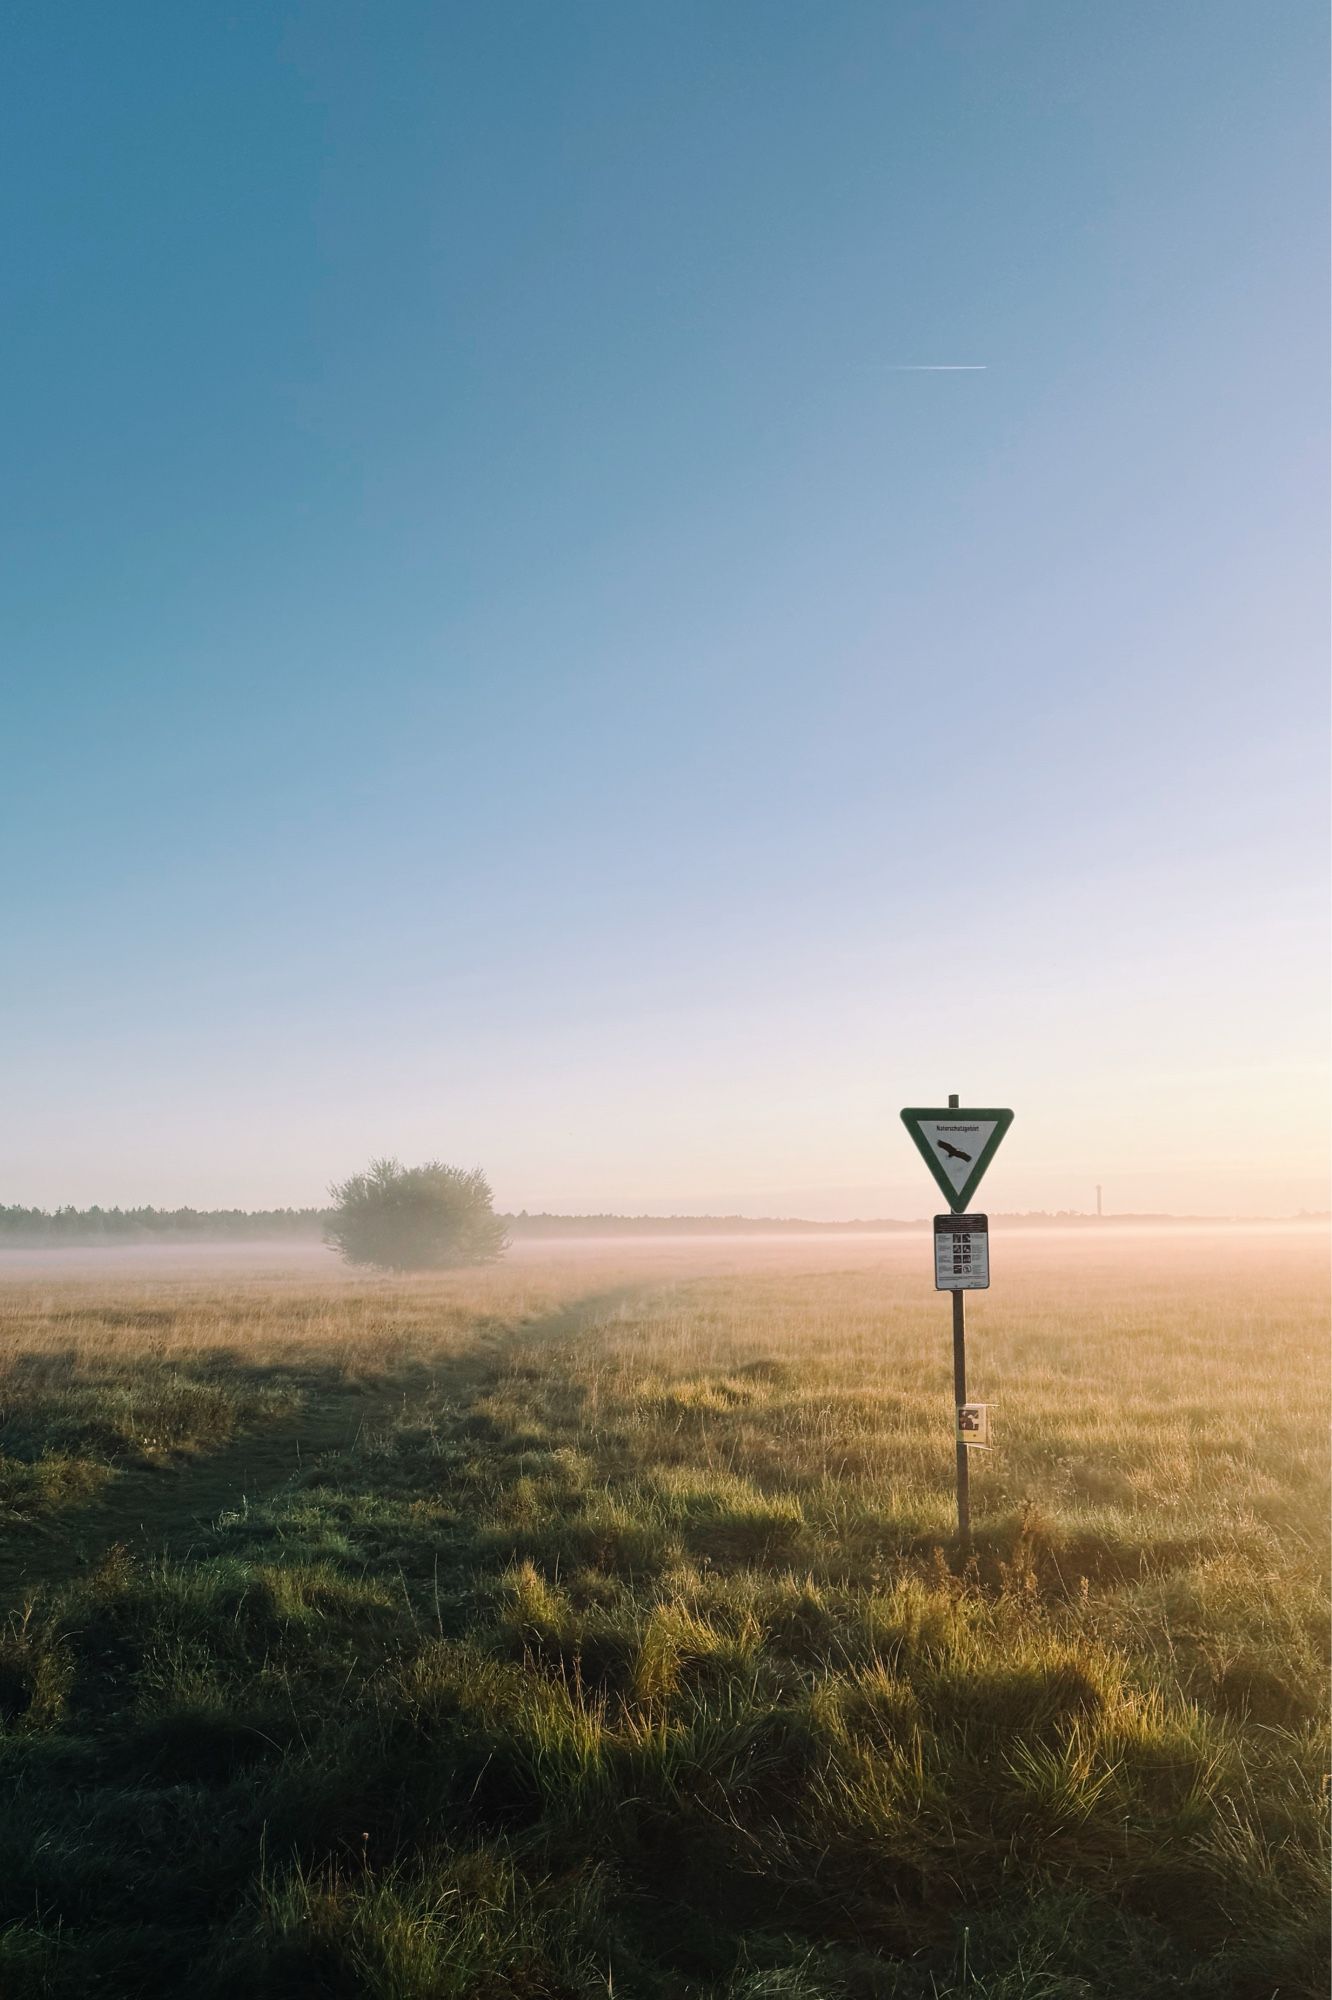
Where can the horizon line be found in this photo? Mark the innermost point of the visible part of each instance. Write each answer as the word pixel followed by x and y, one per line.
pixel 34 1213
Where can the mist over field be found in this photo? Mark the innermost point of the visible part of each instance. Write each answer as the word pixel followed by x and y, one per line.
pixel 713 1249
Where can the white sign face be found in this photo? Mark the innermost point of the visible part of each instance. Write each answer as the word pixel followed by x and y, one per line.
pixel 961 1253
pixel 973 1423
pixel 956 1144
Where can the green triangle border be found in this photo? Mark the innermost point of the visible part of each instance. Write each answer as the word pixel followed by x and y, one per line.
pixel 956 1198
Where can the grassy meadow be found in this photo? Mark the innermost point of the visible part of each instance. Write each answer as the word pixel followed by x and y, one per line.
pixel 597 1626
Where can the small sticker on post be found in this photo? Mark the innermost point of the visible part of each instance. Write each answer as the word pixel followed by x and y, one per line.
pixel 973 1424
pixel 961 1253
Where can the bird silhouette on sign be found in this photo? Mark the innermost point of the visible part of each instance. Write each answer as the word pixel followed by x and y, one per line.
pixel 954 1152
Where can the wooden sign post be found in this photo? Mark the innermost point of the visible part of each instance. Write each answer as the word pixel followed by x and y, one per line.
pixel 957 1146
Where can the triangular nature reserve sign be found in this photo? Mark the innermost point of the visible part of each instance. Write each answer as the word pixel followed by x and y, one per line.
pixel 957 1146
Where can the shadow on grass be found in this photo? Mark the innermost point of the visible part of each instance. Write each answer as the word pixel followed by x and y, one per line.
pixel 146 1454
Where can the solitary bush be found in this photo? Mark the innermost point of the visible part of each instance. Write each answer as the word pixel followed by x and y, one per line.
pixel 416 1218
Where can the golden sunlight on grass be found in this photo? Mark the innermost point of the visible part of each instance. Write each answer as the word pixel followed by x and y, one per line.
pixel 472 1635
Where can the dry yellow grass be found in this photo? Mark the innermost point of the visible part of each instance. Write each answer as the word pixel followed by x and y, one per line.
pixel 604 1609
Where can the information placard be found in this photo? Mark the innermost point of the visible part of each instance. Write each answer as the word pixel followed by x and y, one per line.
pixel 961 1253
pixel 973 1424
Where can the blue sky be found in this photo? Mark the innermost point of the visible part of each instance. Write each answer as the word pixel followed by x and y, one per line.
pixel 504 660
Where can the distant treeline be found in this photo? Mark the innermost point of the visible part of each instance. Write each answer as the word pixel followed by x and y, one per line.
pixel 32 1228
pixel 531 1226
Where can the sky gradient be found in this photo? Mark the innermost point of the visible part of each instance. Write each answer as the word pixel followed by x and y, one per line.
pixel 506 660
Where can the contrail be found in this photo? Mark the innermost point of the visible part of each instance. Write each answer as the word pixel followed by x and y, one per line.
pixel 937 367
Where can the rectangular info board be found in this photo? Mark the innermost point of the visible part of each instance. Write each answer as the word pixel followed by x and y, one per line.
pixel 961 1253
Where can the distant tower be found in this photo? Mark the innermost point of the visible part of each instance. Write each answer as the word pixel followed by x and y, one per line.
pixel 1098 1199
